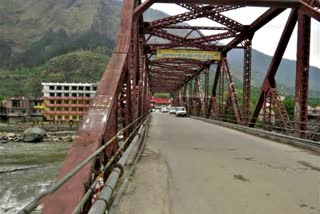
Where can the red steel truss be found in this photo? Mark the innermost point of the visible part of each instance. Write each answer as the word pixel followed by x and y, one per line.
pixel 135 73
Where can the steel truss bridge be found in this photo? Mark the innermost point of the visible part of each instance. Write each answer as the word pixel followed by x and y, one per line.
pixel 135 73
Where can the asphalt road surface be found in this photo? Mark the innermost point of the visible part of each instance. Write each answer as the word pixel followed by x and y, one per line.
pixel 194 167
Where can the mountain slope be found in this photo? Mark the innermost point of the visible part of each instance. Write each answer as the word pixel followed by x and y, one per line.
pixel 79 66
pixel 47 28
pixel 285 76
pixel 42 38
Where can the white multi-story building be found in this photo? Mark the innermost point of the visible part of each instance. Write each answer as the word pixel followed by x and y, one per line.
pixel 69 89
pixel 67 101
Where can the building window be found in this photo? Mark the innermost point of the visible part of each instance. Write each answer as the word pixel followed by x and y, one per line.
pixel 94 88
pixel 59 94
pixel 34 111
pixel 87 88
pixel 66 117
pixel 51 101
pixel 74 117
pixel 74 95
pixel 59 102
pixel 51 95
pixel 81 88
pixel 16 103
pixel 23 111
pixel 59 117
pixel 51 87
pixel 66 87
pixel 80 117
pixel 74 88
pixel 66 101
pixel 80 95
pixel 59 87
pixel 74 109
pixel 66 94
pixel 87 95
pixel 80 102
pixel 59 109
pixel 51 109
pixel 66 109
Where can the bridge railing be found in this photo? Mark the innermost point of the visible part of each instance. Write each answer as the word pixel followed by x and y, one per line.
pixel 312 133
pixel 59 183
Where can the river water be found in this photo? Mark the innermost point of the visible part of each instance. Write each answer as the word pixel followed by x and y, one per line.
pixel 41 163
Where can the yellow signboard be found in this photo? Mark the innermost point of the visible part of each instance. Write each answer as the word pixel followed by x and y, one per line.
pixel 188 54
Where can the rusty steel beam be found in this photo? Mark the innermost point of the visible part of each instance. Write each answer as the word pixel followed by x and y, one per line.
pixel 232 92
pixel 168 73
pixel 246 81
pixel 100 123
pixel 269 81
pixel 172 69
pixel 257 3
pixel 213 108
pixel 217 16
pixel 183 42
pixel 302 73
pixel 143 7
pixel 256 25
pixel 188 27
pixel 211 38
pixel 311 10
pixel 152 48
pixel 161 23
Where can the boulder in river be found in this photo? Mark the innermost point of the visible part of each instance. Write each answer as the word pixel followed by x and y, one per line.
pixel 34 134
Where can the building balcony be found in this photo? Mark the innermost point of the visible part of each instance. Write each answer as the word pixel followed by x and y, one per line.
pixel 67 105
pixel 67 98
pixel 81 113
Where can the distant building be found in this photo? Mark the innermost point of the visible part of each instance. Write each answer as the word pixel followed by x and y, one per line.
pixel 67 101
pixel 22 109
pixel 3 112
pixel 159 102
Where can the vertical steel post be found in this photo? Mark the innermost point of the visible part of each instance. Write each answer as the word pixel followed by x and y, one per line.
pixel 302 73
pixel 221 90
pixel 246 81
pixel 206 92
pixel 189 106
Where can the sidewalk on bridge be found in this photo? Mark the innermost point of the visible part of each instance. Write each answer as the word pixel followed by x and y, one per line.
pixel 147 191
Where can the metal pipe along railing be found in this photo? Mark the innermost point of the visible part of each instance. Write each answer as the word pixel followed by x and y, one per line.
pixel 84 199
pixel 103 200
pixel 35 202
pixel 125 183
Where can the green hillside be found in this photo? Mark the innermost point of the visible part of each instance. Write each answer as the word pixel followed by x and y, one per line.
pixel 79 66
pixel 72 40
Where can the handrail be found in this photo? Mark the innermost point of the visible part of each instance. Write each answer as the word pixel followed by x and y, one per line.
pixel 105 167
pixel 35 202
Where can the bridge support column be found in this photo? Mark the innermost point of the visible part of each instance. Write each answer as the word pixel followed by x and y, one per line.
pixel 302 74
pixel 246 81
pixel 206 92
pixel 269 82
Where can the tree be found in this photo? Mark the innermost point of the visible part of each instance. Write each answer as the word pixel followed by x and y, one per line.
pixel 289 105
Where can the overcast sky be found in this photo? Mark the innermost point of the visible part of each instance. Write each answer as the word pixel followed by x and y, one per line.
pixel 266 39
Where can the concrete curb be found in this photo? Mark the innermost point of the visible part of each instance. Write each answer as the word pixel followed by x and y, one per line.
pixel 293 141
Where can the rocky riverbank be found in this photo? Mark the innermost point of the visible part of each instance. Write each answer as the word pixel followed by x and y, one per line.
pixel 15 137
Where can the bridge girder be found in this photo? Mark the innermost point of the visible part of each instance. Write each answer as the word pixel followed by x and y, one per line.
pixel 134 73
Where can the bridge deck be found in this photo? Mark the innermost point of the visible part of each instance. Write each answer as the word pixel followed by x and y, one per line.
pixel 212 169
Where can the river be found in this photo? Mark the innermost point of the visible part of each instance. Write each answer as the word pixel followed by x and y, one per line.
pixel 20 187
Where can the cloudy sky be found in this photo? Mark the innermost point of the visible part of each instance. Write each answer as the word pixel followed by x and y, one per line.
pixel 266 39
